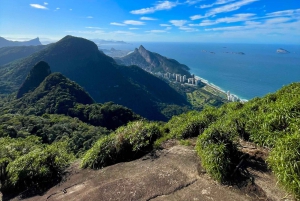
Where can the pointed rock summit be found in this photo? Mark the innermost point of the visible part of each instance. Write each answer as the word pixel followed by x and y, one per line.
pixel 153 62
pixel 35 77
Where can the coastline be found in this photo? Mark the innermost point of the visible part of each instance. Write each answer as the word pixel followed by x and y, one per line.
pixel 218 88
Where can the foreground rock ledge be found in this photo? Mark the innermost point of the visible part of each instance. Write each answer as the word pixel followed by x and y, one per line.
pixel 169 174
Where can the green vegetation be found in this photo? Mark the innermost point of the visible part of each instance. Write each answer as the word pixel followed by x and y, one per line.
pixel 81 61
pixel 35 77
pixel 57 121
pixel 57 94
pixel 200 98
pixel 52 128
pixel 26 163
pixel 126 143
pixel 272 121
pixel 218 151
pixel 285 162
pixel 107 115
pixel 188 125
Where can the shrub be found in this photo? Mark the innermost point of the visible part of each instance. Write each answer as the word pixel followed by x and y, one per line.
pixel 284 160
pixel 39 167
pixel 102 154
pixel 126 143
pixel 191 124
pixel 218 152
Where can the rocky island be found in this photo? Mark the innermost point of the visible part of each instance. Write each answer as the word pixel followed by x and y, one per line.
pixel 282 51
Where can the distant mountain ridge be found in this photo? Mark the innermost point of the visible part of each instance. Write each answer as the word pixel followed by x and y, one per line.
pixel 11 53
pixel 81 61
pixel 5 43
pixel 153 62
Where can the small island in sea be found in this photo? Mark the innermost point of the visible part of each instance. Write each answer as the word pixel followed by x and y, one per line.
pixel 282 51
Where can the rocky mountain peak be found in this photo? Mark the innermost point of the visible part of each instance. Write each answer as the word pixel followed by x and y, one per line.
pixel 141 48
pixel 36 75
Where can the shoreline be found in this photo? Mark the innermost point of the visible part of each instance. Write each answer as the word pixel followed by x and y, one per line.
pixel 218 88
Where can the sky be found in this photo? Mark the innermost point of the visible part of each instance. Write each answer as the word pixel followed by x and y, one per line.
pixel 219 21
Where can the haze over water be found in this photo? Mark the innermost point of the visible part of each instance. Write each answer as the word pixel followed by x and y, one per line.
pixel 260 71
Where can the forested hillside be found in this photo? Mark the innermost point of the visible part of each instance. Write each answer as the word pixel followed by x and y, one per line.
pixel 81 61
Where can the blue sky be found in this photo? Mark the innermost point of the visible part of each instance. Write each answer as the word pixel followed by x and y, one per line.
pixel 238 21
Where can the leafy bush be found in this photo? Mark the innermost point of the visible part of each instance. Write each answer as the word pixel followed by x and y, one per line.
pixel 10 150
pixel 218 152
pixel 188 125
pixel 39 167
pixel 102 154
pixel 126 143
pixel 284 160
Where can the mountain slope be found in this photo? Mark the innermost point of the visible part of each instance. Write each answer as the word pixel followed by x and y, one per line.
pixel 153 62
pixel 36 75
pixel 81 61
pixel 5 43
pixel 9 54
pixel 55 95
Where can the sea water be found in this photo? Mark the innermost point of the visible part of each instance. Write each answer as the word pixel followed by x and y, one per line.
pixel 258 71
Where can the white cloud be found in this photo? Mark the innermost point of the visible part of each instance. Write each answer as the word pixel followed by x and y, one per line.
pixel 156 31
pixel 197 17
pixel 218 2
pixel 230 7
pixel 295 12
pixel 232 28
pixel 205 6
pixel 168 28
pixel 188 29
pixel 133 22
pixel 38 6
pixel 117 24
pixel 93 27
pixel 235 18
pixel 165 25
pixel 252 23
pixel 192 2
pixel 178 23
pixel 70 9
pixel 161 5
pixel 268 27
pixel 86 32
pixel 128 33
pixel 89 17
pixel 133 28
pixel 277 20
pixel 223 9
pixel 147 18
pixel 57 8
pixel 45 3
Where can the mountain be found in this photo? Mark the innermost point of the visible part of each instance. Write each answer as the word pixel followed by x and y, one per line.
pixel 56 94
pixel 45 93
pixel 100 42
pixel 36 75
pixel 153 62
pixel 5 43
pixel 9 54
pixel 81 61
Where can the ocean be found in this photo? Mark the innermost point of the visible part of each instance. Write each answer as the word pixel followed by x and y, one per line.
pixel 257 72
